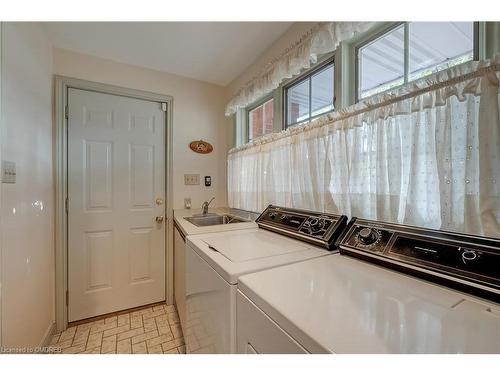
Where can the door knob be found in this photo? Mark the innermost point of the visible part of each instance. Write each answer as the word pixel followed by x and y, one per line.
pixel 159 219
pixel 159 201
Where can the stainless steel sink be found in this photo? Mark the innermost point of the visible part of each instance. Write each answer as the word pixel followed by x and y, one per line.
pixel 213 219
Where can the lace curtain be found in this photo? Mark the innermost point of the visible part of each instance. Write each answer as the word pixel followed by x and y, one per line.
pixel 427 154
pixel 323 38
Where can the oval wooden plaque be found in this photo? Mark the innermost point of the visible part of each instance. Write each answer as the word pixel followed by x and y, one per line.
pixel 201 147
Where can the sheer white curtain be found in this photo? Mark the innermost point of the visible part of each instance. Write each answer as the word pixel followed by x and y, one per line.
pixel 431 159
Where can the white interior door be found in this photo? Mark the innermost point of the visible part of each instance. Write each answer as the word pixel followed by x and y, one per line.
pixel 116 189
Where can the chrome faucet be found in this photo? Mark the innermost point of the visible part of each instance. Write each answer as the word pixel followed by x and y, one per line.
pixel 204 206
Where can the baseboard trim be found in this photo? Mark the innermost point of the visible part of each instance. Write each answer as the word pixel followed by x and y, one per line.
pixel 47 337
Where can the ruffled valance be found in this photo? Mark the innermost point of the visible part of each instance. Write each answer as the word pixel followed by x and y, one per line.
pixel 428 92
pixel 321 39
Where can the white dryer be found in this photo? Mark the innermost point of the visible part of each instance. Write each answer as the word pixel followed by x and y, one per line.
pixel 339 304
pixel 215 261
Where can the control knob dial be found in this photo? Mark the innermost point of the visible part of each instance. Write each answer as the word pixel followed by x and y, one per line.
pixel 368 236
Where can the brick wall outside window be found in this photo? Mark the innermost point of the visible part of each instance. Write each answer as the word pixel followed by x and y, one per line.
pixel 261 120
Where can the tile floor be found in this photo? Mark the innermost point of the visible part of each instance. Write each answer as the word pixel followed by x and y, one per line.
pixel 152 330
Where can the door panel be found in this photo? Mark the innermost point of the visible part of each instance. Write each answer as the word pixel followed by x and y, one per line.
pixel 99 251
pixel 116 170
pixel 98 175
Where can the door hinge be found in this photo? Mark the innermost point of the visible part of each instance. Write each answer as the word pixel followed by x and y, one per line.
pixel 164 107
pixel 66 204
pixel 67 298
pixel 66 111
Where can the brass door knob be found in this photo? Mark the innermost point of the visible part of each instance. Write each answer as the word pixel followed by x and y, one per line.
pixel 159 201
pixel 159 219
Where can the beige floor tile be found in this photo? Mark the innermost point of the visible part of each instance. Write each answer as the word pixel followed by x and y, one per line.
pixel 144 337
pixel 159 340
pixel 149 325
pixel 162 319
pixel 172 344
pixel 153 330
pixel 159 307
pixel 130 333
pixel 152 314
pixel 140 348
pixel 170 308
pixel 123 320
pixel 172 351
pixel 155 349
pixel 165 330
pixel 140 312
pixel 115 331
pixel 81 337
pixel 68 334
pixel 136 322
pixel 108 344
pixel 124 347
pixel 94 340
pixel 102 327
pixel 111 319
pixel 92 351
pixel 173 317
pixel 64 344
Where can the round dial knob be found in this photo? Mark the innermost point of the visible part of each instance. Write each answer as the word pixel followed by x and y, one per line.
pixel 284 218
pixel 272 215
pixel 469 256
pixel 316 224
pixel 368 236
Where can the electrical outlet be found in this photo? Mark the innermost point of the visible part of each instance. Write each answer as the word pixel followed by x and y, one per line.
pixel 191 179
pixel 187 202
pixel 8 172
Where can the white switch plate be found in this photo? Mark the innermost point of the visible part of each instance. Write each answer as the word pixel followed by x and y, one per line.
pixel 8 172
pixel 187 202
pixel 191 179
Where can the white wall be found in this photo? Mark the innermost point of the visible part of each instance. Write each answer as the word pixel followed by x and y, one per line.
pixel 198 114
pixel 27 221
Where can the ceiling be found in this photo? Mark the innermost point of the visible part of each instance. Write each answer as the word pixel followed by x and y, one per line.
pixel 215 52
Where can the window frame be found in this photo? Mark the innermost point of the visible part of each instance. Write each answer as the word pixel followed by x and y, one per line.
pixel 253 106
pixel 380 33
pixel 306 75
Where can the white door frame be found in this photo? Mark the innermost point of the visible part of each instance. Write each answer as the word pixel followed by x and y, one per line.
pixel 62 84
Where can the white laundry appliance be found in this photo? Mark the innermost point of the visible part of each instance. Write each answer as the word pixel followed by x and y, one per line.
pixel 341 304
pixel 215 261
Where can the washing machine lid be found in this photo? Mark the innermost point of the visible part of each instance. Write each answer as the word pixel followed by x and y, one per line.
pixel 242 247
pixel 239 252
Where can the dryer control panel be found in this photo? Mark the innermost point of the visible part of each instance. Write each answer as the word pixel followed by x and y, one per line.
pixel 322 229
pixel 461 261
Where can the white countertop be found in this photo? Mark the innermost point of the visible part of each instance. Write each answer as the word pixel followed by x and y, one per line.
pixel 188 229
pixel 343 305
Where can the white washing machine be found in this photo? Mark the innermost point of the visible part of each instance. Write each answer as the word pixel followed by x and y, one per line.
pixel 340 304
pixel 215 261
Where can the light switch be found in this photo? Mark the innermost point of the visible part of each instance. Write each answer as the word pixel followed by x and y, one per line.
pixel 8 172
pixel 187 202
pixel 191 179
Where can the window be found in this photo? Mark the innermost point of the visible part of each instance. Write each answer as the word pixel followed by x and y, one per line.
pixel 310 97
pixel 411 51
pixel 261 120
